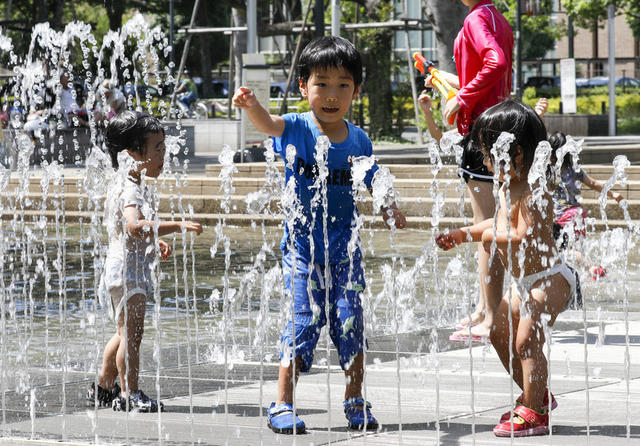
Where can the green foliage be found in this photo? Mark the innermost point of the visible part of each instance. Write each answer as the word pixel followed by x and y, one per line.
pixel 590 100
pixel 633 18
pixel 587 13
pixel 539 33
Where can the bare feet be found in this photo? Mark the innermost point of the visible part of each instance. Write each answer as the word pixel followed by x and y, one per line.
pixel 482 329
pixel 476 318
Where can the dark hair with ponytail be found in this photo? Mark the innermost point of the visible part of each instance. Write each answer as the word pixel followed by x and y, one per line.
pixel 129 130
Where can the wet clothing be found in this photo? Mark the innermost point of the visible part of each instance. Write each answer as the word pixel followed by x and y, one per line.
pixel 127 269
pixel 344 278
pixel 526 284
pixel 567 190
pixel 345 282
pixel 483 52
pixel 301 131
pixel 566 206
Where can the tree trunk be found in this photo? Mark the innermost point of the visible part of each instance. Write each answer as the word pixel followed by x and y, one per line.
pixel 58 9
pixel 447 18
pixel 7 15
pixel 378 82
pixel 115 9
pixel 205 53
pixel 41 11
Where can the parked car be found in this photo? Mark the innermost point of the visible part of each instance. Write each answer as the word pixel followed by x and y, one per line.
pixel 142 91
pixel 626 81
pixel 582 82
pixel 277 89
pixel 220 88
pixel 543 82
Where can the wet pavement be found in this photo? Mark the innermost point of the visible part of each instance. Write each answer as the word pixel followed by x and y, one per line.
pixel 454 397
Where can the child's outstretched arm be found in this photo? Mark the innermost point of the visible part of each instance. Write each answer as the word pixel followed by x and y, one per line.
pixel 425 104
pixel 597 185
pixel 541 106
pixel 245 99
pixel 139 228
pixel 400 221
pixel 454 237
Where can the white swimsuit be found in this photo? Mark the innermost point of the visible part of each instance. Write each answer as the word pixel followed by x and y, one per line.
pixel 526 283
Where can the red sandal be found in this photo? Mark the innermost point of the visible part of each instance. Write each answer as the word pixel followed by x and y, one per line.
pixel 526 422
pixel 545 404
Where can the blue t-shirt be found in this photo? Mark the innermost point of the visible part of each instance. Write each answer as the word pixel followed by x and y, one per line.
pixel 301 131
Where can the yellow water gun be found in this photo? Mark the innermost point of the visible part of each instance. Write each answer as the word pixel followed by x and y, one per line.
pixel 425 66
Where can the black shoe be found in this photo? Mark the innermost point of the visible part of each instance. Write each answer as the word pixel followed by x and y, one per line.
pixel 138 401
pixel 104 396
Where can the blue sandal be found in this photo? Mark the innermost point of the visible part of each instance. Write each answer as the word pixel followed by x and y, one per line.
pixel 281 419
pixel 353 410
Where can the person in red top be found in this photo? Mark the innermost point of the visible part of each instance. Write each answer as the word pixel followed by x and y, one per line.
pixel 483 53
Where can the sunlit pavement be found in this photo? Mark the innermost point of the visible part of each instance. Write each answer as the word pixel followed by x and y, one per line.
pixel 422 399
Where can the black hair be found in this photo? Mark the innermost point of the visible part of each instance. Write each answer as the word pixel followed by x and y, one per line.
pixel 330 51
pixel 129 130
pixel 557 140
pixel 516 118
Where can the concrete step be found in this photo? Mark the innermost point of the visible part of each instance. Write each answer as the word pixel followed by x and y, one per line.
pixel 411 206
pixel 406 187
pixel 240 220
pixel 600 172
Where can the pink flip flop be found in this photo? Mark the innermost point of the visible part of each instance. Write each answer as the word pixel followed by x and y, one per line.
pixel 464 337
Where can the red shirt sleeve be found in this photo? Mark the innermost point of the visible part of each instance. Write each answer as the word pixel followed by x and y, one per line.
pixel 480 35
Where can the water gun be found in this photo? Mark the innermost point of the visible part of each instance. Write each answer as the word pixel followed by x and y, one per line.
pixel 446 90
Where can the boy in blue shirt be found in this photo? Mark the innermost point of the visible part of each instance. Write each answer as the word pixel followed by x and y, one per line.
pixel 330 75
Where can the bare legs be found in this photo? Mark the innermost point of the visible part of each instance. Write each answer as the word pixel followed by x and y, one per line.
pixel 353 376
pixel 529 364
pixel 122 353
pixel 483 206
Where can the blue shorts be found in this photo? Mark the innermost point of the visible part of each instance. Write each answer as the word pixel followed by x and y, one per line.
pixel 346 326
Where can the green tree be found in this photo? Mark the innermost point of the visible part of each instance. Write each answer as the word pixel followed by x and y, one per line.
pixel 633 18
pixel 539 32
pixel 593 13
pixel 375 46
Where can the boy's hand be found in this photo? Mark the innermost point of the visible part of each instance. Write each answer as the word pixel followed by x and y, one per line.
pixel 424 100
pixel 192 226
pixel 450 239
pixel 165 249
pixel 392 212
pixel 399 220
pixel 617 196
pixel 244 98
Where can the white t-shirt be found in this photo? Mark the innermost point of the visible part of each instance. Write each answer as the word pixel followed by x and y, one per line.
pixel 122 194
